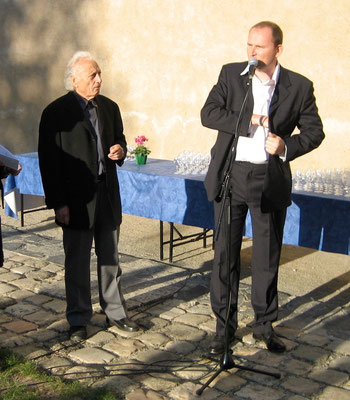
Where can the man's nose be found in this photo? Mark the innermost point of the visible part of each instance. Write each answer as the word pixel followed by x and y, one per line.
pixel 99 78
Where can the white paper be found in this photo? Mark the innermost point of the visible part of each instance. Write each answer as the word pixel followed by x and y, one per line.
pixel 7 158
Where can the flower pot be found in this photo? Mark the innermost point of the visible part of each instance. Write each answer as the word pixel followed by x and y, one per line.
pixel 141 159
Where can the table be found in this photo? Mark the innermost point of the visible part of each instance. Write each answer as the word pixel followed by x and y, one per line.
pixel 155 191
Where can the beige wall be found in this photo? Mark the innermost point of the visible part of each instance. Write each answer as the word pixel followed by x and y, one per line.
pixel 159 60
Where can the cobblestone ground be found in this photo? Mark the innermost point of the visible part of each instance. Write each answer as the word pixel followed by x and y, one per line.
pixel 168 359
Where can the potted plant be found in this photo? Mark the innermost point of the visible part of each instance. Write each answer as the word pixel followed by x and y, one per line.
pixel 141 151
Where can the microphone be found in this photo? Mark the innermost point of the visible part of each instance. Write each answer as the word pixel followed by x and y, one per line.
pixel 252 63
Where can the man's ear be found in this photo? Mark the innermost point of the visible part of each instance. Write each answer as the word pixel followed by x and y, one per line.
pixel 279 50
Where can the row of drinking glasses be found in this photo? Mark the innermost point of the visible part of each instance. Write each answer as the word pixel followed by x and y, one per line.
pixel 191 163
pixel 328 181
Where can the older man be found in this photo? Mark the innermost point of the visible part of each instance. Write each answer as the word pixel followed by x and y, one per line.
pixel 259 179
pixel 80 141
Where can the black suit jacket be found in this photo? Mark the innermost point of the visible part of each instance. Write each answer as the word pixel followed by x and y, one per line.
pixel 68 157
pixel 293 105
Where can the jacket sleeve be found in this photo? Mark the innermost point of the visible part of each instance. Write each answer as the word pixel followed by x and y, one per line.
pixel 215 114
pixel 119 134
pixel 309 124
pixel 50 161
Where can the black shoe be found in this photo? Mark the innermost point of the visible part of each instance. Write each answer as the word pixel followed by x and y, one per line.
pixel 77 333
pixel 125 324
pixel 272 341
pixel 217 345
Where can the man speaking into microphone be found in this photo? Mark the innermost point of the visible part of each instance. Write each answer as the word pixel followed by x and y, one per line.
pixel 255 108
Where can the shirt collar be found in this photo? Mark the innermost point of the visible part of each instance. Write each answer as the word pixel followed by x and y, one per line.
pixel 83 102
pixel 275 75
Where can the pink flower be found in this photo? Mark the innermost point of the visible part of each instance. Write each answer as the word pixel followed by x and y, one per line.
pixel 140 140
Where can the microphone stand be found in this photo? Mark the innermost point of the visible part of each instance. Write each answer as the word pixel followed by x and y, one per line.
pixel 226 361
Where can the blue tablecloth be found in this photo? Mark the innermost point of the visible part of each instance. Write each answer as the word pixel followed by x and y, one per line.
pixel 155 191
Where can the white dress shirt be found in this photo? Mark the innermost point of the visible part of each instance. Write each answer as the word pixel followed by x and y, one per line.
pixel 252 148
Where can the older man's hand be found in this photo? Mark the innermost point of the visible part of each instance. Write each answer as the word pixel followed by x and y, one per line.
pixel 116 152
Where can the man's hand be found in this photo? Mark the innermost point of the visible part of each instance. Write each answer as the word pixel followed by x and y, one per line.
pixel 116 152
pixel 15 172
pixel 62 215
pixel 274 145
pixel 260 120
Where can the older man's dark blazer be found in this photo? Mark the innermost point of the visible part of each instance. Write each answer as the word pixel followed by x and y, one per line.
pixel 68 157
pixel 293 106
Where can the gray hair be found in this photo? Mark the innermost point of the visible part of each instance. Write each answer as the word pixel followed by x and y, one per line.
pixel 70 67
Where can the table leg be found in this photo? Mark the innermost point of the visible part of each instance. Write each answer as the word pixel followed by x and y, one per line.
pixel 161 241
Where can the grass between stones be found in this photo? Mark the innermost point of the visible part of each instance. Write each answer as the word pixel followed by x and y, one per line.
pixel 22 380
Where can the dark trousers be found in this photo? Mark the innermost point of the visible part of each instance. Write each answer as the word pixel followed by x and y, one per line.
pixel 77 246
pixel 245 192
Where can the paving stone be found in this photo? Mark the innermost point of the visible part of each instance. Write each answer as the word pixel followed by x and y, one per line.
pixel 340 346
pixel 329 376
pixel 56 305
pixel 5 288
pixel 100 338
pixel 341 363
pixel 150 356
pixel 54 364
pixel 6 302
pixel 140 394
pixel 183 332
pixel 20 294
pixel 26 283
pixel 313 354
pixel 60 325
pixel 153 323
pixel 180 347
pixel 314 340
pixel 157 381
pixel 38 299
pixel 297 367
pixel 12 340
pixel 167 314
pixel 54 268
pixel 187 391
pixel 153 339
pixel 21 309
pixel 4 317
pixel 87 374
pixel 21 269
pixel 30 351
pixel 41 317
pixel 39 275
pixel 333 393
pixel 228 381
pixel 255 391
pixel 191 319
pixel 43 335
pixel 8 277
pixel 119 384
pixel 209 325
pixel 20 326
pixel 91 356
pixel 124 347
pixel 56 289
pixel 301 385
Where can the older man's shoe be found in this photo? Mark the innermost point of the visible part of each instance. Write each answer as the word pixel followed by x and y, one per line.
pixel 272 341
pixel 77 333
pixel 125 324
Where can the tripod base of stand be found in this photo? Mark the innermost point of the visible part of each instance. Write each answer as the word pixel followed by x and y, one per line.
pixel 227 363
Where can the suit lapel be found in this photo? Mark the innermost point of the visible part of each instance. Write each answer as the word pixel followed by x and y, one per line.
pixel 281 90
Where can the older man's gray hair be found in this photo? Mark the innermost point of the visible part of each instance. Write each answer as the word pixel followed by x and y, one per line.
pixel 70 67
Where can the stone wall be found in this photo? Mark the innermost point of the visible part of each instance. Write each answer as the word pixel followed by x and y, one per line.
pixel 159 60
